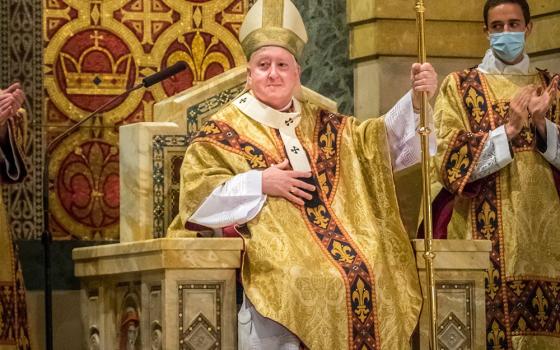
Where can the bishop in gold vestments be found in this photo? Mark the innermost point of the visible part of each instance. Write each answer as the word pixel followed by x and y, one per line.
pixel 339 271
pixel 14 332
pixel 330 268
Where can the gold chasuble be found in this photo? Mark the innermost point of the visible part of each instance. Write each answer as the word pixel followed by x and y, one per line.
pixel 14 332
pixel 338 272
pixel 517 208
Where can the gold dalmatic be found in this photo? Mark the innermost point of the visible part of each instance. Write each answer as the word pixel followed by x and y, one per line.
pixel 517 208
pixel 324 269
pixel 14 331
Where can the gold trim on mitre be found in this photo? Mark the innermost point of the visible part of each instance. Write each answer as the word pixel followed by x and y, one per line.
pixel 273 23
pixel 273 14
pixel 273 37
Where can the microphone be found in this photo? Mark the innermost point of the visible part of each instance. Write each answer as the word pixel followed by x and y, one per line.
pixel 164 74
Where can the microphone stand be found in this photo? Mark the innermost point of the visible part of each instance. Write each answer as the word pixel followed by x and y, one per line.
pixel 46 236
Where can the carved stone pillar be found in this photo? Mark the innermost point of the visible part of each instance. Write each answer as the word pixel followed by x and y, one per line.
pixel 460 267
pixel 168 293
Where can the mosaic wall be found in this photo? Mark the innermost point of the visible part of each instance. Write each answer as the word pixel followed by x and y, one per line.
pixel 95 50
pixel 74 55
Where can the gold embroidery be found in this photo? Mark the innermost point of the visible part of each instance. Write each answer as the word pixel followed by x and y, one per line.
pixel 527 135
pixel 522 324
pixel 555 289
pixel 361 295
pixel 323 183
pixel 273 13
pixel 256 160
pixel 517 287
pixel 495 336
pixel 328 140
pixel 281 37
pixel 319 217
pixel 501 109
pixel 492 276
pixel 342 252
pixel 474 100
pixel 459 160
pixel 542 304
pixel 488 220
pixel 210 129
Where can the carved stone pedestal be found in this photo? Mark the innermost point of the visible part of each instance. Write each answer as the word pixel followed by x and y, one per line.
pixel 168 293
pixel 459 275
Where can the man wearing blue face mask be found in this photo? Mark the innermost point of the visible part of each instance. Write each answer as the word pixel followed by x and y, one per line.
pixel 498 159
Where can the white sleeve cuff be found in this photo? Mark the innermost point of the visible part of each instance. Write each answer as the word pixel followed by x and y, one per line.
pixel 404 141
pixel 235 202
pixel 494 156
pixel 498 136
pixel 401 121
pixel 551 141
pixel 245 184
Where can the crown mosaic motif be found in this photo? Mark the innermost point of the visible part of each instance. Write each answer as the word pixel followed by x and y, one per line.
pixel 95 83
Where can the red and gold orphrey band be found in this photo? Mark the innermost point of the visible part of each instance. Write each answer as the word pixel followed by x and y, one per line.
pixel 509 300
pixel 327 231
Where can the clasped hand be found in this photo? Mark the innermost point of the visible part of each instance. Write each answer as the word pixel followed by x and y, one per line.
pixel 531 102
pixel 11 100
pixel 278 181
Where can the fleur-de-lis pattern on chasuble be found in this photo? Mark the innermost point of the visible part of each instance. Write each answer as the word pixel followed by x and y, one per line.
pixel 95 50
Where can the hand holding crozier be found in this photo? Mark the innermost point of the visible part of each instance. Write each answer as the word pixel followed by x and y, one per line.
pixel 424 79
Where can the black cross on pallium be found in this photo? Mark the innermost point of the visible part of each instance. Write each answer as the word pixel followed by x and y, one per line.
pixel 243 100
pixel 289 121
pixel 295 150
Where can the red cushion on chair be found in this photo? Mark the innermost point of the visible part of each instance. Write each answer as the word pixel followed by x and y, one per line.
pixel 232 231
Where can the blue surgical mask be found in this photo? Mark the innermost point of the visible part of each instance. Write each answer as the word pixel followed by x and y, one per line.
pixel 507 45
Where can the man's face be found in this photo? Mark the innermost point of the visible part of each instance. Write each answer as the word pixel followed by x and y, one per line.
pixel 507 17
pixel 273 76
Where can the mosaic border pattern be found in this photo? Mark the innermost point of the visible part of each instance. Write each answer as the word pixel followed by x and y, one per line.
pixel 195 116
pixel 21 43
pixel 197 113
pixel 160 144
pixel 468 331
pixel 214 331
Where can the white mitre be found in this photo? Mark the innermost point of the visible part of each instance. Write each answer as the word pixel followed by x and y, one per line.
pixel 273 23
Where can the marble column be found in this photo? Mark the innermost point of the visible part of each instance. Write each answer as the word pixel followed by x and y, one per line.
pixel 459 269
